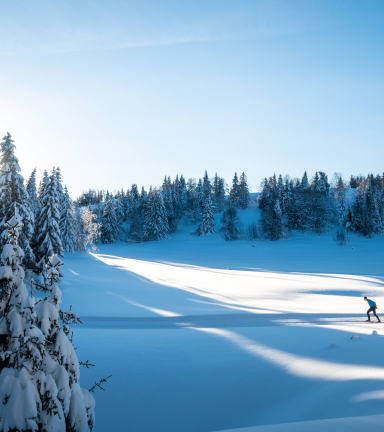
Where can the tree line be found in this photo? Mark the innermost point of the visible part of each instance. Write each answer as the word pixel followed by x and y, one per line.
pixel 314 206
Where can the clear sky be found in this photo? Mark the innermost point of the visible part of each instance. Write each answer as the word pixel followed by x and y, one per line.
pixel 116 92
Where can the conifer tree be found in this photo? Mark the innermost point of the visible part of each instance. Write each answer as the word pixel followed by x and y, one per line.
pixel 341 210
pixel 207 224
pixel 349 220
pixel 59 185
pixel 372 223
pixel 156 222
pixel 207 187
pixel 47 236
pixel 200 197
pixel 243 196
pixel 230 224
pixel 183 194
pixel 233 198
pixel 43 185
pixel 14 195
pixel 358 210
pixel 109 227
pixel 67 221
pixel 34 202
pixel 39 378
pixel 273 222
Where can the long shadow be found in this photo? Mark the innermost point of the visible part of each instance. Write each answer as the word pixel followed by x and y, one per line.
pixel 216 321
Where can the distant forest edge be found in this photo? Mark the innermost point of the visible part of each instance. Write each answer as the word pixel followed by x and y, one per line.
pixel 54 224
pixel 287 205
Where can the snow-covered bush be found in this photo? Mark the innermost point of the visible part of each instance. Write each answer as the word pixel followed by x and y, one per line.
pixel 252 232
pixel 341 237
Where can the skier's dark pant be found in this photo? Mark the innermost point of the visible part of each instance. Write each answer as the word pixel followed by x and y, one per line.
pixel 372 309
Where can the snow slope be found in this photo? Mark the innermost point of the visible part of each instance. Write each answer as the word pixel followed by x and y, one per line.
pixel 335 425
pixel 205 335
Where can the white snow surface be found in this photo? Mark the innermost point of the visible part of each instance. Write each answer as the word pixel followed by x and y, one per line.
pixel 204 335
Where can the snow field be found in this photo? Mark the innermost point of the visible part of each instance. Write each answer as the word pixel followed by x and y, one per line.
pixel 203 335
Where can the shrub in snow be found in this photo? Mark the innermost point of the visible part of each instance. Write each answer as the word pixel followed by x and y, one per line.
pixel 341 237
pixel 230 224
pixel 252 232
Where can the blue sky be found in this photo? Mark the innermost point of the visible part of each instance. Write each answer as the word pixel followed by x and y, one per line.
pixel 129 91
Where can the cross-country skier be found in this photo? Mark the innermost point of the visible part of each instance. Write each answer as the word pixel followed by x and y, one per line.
pixel 372 308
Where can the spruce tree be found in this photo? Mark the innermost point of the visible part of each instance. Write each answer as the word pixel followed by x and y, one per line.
pixel 273 222
pixel 207 224
pixel 207 187
pixel 341 210
pixel 233 198
pixel 183 194
pixel 109 226
pixel 43 185
pixel 39 378
pixel 47 236
pixel 67 221
pixel 244 197
pixel 14 195
pixel 230 224
pixel 34 202
pixel 156 222
pixel 59 185
pixel 372 223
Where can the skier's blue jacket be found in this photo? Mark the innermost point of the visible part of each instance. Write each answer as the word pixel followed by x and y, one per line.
pixel 371 303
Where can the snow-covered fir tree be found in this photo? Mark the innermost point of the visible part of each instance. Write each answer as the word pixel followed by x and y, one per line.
pixel 233 198
pixel 47 236
pixel 90 228
pixel 156 220
pixel 109 227
pixel 207 187
pixel 341 209
pixel 14 194
pixel 230 224
pixel 273 223
pixel 243 194
pixel 219 193
pixel 372 223
pixel 43 184
pixel 78 228
pixel 39 378
pixel 34 202
pixel 59 185
pixel 207 224
pixel 67 220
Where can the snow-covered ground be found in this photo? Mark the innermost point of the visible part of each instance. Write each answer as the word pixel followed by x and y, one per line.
pixel 205 335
